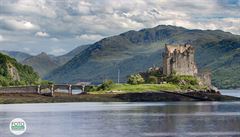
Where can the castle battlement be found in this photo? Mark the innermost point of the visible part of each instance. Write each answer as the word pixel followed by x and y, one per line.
pixel 176 49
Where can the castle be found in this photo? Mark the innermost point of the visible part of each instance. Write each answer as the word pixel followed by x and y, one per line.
pixel 179 59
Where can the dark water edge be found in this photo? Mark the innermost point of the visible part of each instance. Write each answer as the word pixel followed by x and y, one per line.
pixel 108 97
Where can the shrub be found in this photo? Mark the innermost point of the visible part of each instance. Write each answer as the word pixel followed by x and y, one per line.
pixel 91 88
pixel 182 79
pixel 135 79
pixel 152 80
pixel 4 81
pixel 46 82
pixel 106 85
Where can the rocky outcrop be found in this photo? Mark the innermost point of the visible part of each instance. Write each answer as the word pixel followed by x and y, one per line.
pixel 13 72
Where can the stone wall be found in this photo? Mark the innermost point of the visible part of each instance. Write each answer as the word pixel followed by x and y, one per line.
pixel 205 78
pixel 179 59
pixel 27 89
pixel 40 88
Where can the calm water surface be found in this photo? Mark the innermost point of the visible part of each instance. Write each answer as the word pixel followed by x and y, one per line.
pixel 232 92
pixel 181 119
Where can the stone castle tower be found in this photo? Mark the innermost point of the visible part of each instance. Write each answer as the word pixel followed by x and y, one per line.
pixel 179 59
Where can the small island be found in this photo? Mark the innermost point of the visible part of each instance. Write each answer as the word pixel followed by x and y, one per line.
pixel 178 79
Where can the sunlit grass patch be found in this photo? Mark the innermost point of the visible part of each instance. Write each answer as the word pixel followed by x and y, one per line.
pixel 125 88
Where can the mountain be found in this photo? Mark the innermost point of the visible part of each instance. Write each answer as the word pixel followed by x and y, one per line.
pixel 14 73
pixel 42 63
pixel 66 57
pixel 19 56
pixel 135 51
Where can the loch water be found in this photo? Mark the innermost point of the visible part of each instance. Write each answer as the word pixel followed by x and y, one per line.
pixel 180 119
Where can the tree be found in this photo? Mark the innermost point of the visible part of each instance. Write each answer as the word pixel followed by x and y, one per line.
pixel 135 79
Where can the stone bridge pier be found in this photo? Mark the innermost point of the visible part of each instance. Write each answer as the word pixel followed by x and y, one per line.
pixel 68 87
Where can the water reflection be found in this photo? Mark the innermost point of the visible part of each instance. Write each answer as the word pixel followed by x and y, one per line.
pixel 74 91
pixel 125 119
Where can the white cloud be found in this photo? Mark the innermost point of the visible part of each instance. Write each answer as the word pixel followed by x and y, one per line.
pixel 41 34
pixel 74 22
pixel 19 24
pixel 89 37
pixel 39 7
pixel 84 7
pixel 1 38
pixel 57 51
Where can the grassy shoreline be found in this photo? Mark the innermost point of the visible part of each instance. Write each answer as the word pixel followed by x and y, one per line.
pixel 129 88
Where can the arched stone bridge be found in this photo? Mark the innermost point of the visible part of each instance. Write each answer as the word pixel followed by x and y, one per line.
pixel 40 89
pixel 55 87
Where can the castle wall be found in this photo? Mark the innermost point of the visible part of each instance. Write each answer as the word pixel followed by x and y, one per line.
pixel 205 78
pixel 179 59
pixel 166 65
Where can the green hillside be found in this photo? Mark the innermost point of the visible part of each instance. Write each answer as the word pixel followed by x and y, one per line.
pixel 136 51
pixel 14 73
pixel 66 57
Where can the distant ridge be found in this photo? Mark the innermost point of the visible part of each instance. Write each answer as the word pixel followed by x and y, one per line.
pixel 42 63
pixel 19 56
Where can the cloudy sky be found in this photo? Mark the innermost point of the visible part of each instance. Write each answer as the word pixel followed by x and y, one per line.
pixel 58 26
